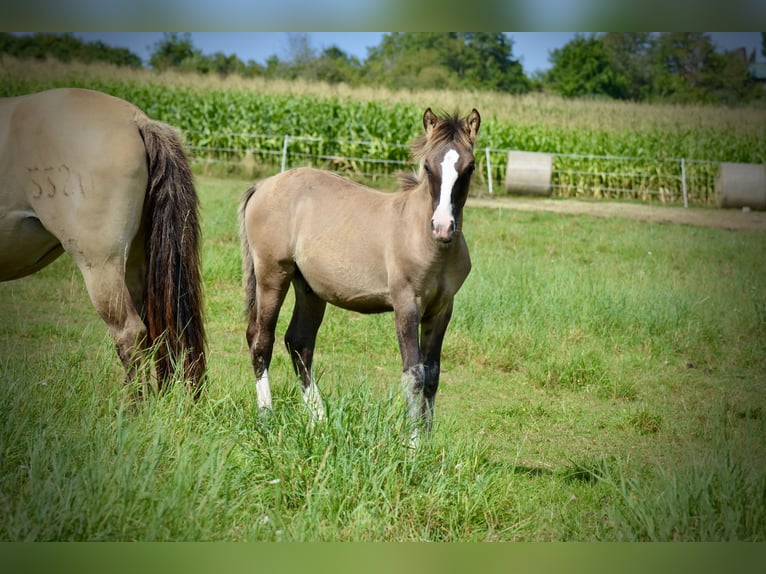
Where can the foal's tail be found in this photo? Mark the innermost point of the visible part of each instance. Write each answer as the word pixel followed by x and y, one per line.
pixel 248 272
pixel 174 306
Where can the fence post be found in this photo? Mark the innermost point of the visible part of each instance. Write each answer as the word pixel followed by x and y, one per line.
pixel 489 170
pixel 683 182
pixel 284 152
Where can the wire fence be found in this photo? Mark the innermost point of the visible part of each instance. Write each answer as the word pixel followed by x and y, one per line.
pixel 666 180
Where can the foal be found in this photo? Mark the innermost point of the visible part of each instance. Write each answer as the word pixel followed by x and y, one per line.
pixel 363 250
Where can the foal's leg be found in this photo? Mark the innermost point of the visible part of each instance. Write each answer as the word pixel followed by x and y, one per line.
pixel 300 340
pixel 407 317
pixel 432 333
pixel 270 294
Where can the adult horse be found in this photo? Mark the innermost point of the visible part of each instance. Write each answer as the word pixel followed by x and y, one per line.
pixel 92 175
pixel 363 250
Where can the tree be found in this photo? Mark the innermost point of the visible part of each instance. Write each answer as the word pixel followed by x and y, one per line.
pixel 400 58
pixel 224 65
pixel 628 54
pixel 301 51
pixel 417 60
pixel 253 69
pixel 582 67
pixel 275 68
pixel 172 50
pixel 65 47
pixel 487 60
pixel 335 66
pixel 684 65
pixel 729 81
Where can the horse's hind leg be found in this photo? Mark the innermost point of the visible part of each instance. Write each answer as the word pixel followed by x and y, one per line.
pixel 300 340
pixel 112 299
pixel 269 296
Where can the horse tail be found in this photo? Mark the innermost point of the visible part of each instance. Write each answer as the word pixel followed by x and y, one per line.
pixel 248 271
pixel 174 305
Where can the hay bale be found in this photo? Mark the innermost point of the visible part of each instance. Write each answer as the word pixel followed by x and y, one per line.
pixel 741 185
pixel 529 173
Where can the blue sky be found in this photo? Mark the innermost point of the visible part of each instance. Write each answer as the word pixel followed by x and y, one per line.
pixel 532 48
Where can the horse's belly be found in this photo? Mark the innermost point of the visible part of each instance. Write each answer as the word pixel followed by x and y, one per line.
pixel 25 245
pixel 346 286
pixel 364 303
pixel 357 297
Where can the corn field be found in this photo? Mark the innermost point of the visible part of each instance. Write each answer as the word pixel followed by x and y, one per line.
pixel 603 149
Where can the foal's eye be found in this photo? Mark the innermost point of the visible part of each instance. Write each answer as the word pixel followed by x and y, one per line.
pixel 470 168
pixel 427 168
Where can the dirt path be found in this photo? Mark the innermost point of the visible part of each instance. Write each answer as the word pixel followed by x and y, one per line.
pixel 734 219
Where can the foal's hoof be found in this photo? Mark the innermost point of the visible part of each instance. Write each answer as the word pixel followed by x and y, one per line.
pixel 265 415
pixel 414 441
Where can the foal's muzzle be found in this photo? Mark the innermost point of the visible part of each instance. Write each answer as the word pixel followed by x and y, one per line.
pixel 443 231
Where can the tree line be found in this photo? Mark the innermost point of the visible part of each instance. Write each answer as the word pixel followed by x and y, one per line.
pixel 679 67
pixel 65 47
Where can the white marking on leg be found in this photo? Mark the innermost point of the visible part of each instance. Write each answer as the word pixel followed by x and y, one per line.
pixel 442 219
pixel 412 379
pixel 409 382
pixel 264 391
pixel 314 402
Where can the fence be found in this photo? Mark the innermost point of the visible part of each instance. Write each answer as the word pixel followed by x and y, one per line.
pixel 666 180
pixel 263 154
pixel 679 181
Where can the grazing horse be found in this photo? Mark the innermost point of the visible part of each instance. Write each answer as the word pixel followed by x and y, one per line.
pixel 363 250
pixel 92 175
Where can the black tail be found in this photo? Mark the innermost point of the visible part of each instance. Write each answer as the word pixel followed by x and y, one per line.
pixel 174 305
pixel 248 272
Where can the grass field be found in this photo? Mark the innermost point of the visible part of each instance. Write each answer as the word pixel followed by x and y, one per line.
pixel 602 379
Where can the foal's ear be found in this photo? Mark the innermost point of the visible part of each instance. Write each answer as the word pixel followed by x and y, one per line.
pixel 473 121
pixel 429 122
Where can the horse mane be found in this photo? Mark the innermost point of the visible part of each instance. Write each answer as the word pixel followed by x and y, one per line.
pixel 447 129
pixel 408 181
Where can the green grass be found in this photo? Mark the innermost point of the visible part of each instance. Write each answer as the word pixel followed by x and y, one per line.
pixel 602 379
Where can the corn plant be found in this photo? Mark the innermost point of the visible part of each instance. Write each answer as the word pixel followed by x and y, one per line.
pixel 233 128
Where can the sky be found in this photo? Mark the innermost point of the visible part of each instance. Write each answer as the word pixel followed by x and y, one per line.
pixel 531 48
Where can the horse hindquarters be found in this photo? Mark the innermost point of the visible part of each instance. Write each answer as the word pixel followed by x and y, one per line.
pixel 152 270
pixel 268 270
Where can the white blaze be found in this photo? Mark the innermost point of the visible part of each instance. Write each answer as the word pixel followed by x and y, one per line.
pixel 443 213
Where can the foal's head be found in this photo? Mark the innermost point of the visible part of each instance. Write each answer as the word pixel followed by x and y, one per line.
pixel 445 152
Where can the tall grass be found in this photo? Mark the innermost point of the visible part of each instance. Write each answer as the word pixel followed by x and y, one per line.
pixel 172 470
pixel 717 495
pixel 601 380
